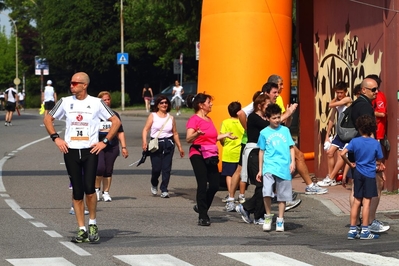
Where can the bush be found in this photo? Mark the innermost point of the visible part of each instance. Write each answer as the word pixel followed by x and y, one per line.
pixel 116 99
pixel 33 101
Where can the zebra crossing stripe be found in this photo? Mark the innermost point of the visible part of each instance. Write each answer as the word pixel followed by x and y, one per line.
pixel 59 261
pixel 365 258
pixel 145 260
pixel 260 258
pixel 78 250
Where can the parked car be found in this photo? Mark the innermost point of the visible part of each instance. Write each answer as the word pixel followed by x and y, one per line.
pixel 189 87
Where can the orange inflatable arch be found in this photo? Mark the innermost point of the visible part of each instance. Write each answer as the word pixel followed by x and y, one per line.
pixel 242 44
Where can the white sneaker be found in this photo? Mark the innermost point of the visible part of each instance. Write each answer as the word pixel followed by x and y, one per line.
pixel 378 227
pixel 241 199
pixel 72 211
pixel 154 190
pixel 107 197
pixel 99 195
pixel 267 225
pixel 280 225
pixel 327 182
pixel 165 195
pixel 292 204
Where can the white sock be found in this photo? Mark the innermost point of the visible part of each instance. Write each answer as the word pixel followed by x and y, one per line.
pixel 105 192
pixel 82 228
pixel 92 221
pixel 310 185
pixel 230 199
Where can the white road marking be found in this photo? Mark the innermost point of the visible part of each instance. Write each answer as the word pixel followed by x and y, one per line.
pixel 152 259
pixel 366 258
pixel 73 247
pixel 259 258
pixel 52 233
pixel 15 207
pixel 40 262
pixel 38 224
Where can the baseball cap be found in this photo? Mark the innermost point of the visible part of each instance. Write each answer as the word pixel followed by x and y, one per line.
pixel 49 82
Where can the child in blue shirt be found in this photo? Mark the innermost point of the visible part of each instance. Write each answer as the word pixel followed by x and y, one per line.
pixel 276 165
pixel 368 155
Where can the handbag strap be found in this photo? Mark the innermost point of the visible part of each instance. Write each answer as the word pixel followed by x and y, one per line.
pixel 163 126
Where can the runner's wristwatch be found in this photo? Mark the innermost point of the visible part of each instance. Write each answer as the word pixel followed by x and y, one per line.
pixel 105 141
pixel 54 136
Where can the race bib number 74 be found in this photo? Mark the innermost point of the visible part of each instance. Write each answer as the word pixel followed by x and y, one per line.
pixel 79 133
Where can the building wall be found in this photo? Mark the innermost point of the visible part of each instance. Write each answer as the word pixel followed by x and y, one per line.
pixel 350 40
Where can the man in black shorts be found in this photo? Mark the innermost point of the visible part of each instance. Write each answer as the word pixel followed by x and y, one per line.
pixel 81 147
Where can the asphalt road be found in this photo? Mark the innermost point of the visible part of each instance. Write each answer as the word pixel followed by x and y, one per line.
pixel 36 227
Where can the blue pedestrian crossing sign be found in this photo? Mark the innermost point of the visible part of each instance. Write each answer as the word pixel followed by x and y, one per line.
pixel 122 58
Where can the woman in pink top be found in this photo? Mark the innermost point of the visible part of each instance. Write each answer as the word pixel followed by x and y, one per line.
pixel 162 126
pixel 203 154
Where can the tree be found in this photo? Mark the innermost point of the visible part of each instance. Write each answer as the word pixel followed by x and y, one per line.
pixel 163 28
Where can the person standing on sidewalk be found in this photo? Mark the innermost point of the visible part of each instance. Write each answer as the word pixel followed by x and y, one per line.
pixel 368 156
pixel 338 105
pixel 81 147
pixel 363 106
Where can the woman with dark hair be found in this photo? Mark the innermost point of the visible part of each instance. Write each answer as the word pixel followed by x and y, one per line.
pixel 163 127
pixel 203 136
pixel 147 96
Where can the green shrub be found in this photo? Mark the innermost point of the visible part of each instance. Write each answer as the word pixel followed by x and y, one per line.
pixel 116 99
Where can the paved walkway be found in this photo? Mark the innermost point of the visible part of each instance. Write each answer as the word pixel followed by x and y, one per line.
pixel 337 198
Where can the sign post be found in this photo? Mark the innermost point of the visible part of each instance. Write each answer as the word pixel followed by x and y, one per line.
pixel 181 69
pixel 41 68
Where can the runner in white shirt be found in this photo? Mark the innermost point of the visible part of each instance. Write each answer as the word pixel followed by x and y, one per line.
pixel 177 96
pixel 49 97
pixel 81 147
pixel 11 98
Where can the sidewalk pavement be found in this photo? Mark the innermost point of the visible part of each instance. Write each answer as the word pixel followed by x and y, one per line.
pixel 337 198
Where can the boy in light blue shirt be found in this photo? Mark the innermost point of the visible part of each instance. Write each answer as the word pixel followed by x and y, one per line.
pixel 276 165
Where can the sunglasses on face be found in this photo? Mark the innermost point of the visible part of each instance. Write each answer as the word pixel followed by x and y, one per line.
pixel 165 102
pixel 74 83
pixel 371 89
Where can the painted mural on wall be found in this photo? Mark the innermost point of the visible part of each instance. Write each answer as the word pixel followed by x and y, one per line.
pixel 348 59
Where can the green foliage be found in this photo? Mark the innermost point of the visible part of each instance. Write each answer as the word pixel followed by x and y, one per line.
pixel 33 101
pixel 116 97
pixel 7 60
pixel 80 34
pixel 162 28
pixel 84 35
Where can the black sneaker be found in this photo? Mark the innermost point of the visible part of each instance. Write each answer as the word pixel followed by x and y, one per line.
pixel 82 237
pixel 204 222
pixel 93 233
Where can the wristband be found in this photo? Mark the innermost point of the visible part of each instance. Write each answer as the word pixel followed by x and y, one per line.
pixel 123 147
pixel 54 136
